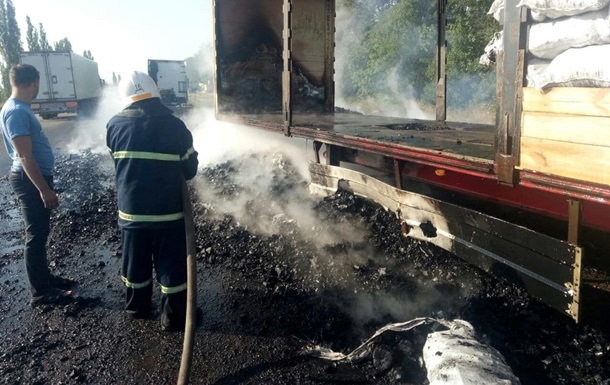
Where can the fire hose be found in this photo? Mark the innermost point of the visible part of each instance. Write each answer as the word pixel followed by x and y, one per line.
pixel 191 289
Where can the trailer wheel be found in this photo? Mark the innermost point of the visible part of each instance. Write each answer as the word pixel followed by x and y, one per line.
pixel 87 109
pixel 48 116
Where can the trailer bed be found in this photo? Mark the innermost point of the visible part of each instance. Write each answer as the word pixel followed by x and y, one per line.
pixel 461 139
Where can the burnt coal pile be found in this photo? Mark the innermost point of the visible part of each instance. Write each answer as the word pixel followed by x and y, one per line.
pixel 253 84
pixel 278 270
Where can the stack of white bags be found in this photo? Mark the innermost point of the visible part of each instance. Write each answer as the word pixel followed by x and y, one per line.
pixel 568 42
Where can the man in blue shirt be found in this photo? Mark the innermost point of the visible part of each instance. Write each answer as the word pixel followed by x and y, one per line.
pixel 31 178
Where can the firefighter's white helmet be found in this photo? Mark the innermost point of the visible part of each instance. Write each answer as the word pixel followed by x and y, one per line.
pixel 135 86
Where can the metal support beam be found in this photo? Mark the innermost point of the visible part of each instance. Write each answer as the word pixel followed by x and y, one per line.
pixel 574 224
pixel 329 58
pixel 510 73
pixel 287 72
pixel 316 150
pixel 574 220
pixel 441 61
pixel 333 155
pixel 398 167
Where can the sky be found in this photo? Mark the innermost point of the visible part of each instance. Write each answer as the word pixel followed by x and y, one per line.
pixel 122 34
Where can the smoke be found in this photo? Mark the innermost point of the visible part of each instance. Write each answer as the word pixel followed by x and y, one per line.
pixel 218 141
pixel 259 179
pixel 205 61
pixel 349 32
pixel 270 178
pixel 398 101
pixel 89 133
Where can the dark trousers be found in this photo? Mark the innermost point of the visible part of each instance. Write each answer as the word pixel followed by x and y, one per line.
pixel 37 224
pixel 165 249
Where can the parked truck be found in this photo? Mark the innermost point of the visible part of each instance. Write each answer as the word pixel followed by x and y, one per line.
pixel 522 198
pixel 69 83
pixel 170 77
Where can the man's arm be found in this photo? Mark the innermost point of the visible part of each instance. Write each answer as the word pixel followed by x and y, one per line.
pixel 23 146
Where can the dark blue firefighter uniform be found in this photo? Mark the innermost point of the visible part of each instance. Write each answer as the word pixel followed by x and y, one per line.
pixel 152 151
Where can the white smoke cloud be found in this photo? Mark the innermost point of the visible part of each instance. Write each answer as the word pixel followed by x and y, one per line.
pixel 89 133
pixel 398 101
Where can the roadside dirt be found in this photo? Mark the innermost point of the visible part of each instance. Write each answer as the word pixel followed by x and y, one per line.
pixel 278 270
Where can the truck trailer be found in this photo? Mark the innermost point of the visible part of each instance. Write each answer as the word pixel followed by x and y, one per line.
pixel 69 83
pixel 170 77
pixel 522 198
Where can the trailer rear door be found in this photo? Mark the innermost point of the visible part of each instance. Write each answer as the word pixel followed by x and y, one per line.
pixel 60 73
pixel 38 60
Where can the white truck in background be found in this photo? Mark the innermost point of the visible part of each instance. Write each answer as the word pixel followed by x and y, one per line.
pixel 170 77
pixel 68 83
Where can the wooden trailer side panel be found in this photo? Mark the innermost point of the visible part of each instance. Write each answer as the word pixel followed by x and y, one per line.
pixel 566 132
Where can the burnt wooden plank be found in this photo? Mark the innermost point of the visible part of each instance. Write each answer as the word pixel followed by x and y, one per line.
pixel 549 294
pixel 448 226
pixel 536 242
pixel 515 243
pixel 519 254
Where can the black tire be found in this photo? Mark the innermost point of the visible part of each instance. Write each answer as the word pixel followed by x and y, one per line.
pixel 48 116
pixel 86 109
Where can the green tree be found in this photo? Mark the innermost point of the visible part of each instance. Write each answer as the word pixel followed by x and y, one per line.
pixel 44 43
pixel 468 32
pixel 32 36
pixel 10 42
pixel 400 42
pixel 63 45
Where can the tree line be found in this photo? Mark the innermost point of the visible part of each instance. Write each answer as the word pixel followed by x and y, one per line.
pixel 11 46
pixel 397 40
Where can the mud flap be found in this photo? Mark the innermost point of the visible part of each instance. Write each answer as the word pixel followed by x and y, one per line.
pixel 548 268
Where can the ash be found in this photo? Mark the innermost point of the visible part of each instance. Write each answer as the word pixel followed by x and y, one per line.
pixel 278 270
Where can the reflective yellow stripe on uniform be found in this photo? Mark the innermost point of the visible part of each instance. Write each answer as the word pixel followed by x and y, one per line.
pixel 145 155
pixel 173 289
pixel 136 285
pixel 189 152
pixel 150 218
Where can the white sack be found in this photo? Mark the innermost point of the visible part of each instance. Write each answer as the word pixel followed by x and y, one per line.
pixel 537 16
pixel 535 71
pixel 493 49
pixel 577 67
pixel 554 9
pixel 456 357
pixel 550 38
pixel 497 10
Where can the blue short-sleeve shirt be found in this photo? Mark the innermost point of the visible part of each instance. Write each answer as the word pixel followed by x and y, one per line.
pixel 17 119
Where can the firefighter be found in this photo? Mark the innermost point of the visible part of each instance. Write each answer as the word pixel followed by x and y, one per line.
pixel 152 151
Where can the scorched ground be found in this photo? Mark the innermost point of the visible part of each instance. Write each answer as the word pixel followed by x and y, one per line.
pixel 278 270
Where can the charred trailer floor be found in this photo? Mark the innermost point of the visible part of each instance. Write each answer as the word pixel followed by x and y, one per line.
pixel 278 270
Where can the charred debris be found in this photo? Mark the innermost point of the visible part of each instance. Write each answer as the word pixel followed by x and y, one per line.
pixel 326 271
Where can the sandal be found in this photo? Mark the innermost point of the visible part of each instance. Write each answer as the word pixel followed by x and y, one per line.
pixel 52 296
pixel 62 283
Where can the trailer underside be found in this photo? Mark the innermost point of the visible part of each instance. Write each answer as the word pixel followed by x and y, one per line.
pixel 455 156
